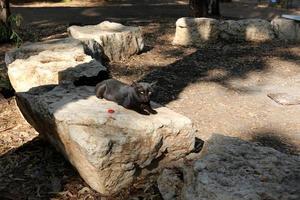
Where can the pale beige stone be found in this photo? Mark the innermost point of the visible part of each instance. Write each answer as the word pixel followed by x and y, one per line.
pixel 287 29
pixel 195 31
pixel 118 41
pixel 108 150
pixel 39 64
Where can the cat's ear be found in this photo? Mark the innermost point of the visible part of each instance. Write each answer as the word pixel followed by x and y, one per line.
pixel 134 84
pixel 153 83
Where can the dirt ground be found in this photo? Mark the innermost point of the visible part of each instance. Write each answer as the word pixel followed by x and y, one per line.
pixel 222 87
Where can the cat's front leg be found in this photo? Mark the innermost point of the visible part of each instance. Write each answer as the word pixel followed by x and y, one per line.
pixel 149 108
pixel 100 89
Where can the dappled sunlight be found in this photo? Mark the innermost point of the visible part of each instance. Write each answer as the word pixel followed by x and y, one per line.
pixel 222 87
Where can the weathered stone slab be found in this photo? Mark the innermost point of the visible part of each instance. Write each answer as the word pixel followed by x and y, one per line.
pixel 118 41
pixel 197 31
pixel 51 62
pixel 109 150
pixel 285 98
pixel 251 30
pixel 29 49
pixel 286 29
pixel 192 31
pixel 229 168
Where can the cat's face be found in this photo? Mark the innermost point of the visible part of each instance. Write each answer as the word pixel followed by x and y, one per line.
pixel 143 91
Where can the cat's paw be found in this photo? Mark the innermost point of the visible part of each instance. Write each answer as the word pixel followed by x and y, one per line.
pixel 153 111
pixel 143 112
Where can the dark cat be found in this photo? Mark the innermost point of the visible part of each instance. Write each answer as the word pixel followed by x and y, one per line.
pixel 135 97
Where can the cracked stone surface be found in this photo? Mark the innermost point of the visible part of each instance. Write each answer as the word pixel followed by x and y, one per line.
pixel 230 168
pixel 51 62
pixel 197 31
pixel 287 29
pixel 108 150
pixel 118 41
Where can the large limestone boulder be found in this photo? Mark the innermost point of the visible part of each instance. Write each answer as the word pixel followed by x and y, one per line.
pixel 229 168
pixel 109 150
pixel 46 63
pixel 118 41
pixel 286 29
pixel 194 31
pixel 251 30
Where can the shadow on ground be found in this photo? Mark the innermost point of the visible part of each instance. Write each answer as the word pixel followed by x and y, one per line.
pixel 36 170
pixel 276 141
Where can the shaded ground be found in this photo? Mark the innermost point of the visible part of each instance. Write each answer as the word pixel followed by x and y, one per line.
pixel 222 88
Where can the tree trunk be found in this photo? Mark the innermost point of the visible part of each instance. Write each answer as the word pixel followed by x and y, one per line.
pixel 4 23
pixel 214 8
pixel 199 8
pixel 205 8
pixel 4 11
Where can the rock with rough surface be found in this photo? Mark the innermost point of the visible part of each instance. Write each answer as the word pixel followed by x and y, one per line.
pixel 109 150
pixel 286 29
pixel 170 184
pixel 197 31
pixel 118 41
pixel 229 168
pixel 52 62
pixel 29 49
pixel 194 31
pixel 251 30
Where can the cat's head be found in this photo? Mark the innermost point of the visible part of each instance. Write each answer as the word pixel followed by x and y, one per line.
pixel 143 91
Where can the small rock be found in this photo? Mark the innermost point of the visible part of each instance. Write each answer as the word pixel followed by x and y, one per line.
pixel 286 29
pixel 193 31
pixel 251 30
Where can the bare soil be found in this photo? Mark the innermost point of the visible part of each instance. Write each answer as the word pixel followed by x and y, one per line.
pixel 222 87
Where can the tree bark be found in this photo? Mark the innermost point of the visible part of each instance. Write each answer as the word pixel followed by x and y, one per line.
pixel 4 11
pixel 205 8
pixel 214 8
pixel 199 8
pixel 5 29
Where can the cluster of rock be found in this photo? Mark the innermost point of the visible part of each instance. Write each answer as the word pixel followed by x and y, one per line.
pixel 196 31
pixel 54 83
pixel 229 168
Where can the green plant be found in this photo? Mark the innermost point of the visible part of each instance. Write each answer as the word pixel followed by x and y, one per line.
pixel 15 24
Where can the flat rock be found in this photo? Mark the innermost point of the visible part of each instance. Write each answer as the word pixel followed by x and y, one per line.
pixel 285 98
pixel 29 49
pixel 52 62
pixel 251 30
pixel 286 29
pixel 230 168
pixel 109 150
pixel 193 31
pixel 118 41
